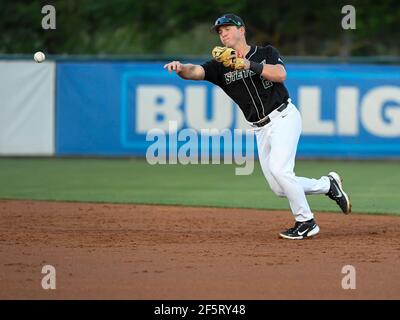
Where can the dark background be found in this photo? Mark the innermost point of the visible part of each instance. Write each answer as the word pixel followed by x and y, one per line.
pixel 181 27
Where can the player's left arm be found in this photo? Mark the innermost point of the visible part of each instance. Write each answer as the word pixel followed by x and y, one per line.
pixel 274 72
pixel 274 69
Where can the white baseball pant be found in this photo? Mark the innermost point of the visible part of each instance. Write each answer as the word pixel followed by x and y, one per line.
pixel 277 145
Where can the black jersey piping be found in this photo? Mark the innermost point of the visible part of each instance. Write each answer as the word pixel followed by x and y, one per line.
pixel 262 105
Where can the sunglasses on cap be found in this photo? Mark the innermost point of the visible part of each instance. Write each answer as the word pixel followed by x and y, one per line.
pixel 226 20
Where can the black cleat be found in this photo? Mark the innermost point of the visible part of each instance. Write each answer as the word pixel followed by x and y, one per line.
pixel 301 230
pixel 337 194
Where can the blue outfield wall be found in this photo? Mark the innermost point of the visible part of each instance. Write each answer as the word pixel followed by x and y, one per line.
pixel 107 108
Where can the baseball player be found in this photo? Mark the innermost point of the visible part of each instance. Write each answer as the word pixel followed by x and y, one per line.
pixel 253 77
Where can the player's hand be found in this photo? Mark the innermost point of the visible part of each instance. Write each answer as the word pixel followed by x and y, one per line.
pixel 239 61
pixel 173 66
pixel 246 64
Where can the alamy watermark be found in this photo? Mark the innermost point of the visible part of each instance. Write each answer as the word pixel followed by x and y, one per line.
pixel 49 20
pixel 49 280
pixel 189 146
pixel 349 280
pixel 349 20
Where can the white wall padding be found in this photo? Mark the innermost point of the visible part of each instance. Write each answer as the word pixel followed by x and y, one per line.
pixel 27 91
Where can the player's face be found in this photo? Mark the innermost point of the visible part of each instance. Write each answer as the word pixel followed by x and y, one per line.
pixel 230 35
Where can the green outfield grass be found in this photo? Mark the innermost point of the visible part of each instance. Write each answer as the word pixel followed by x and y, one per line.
pixel 374 186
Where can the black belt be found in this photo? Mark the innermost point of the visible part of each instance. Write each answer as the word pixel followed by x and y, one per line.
pixel 267 119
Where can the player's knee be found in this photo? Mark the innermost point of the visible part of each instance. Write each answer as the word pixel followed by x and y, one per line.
pixel 279 192
pixel 276 188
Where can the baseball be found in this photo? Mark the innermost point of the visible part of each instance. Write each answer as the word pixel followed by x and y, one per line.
pixel 39 56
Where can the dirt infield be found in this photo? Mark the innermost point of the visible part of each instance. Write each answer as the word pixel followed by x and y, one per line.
pixel 104 251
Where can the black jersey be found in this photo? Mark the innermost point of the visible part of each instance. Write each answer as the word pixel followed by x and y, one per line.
pixel 256 96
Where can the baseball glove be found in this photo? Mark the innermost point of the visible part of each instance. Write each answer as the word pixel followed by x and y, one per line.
pixel 227 56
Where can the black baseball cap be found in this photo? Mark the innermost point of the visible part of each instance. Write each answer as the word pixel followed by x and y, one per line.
pixel 227 20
